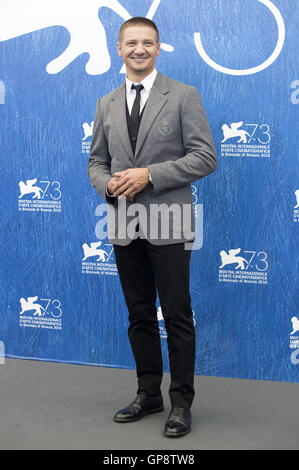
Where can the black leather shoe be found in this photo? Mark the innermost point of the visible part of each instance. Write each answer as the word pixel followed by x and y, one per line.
pixel 178 422
pixel 143 404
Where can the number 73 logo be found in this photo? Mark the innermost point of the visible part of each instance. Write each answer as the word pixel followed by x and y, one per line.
pixel 261 133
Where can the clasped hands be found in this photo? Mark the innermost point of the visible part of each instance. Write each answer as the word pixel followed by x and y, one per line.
pixel 128 182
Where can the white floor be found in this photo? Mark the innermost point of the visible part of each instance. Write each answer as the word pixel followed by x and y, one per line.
pixel 47 405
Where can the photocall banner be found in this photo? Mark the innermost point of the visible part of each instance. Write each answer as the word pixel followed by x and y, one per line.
pixel 61 297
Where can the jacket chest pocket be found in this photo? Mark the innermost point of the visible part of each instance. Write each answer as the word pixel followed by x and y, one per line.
pixel 166 127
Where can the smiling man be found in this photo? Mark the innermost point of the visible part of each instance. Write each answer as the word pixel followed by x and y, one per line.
pixel 139 46
pixel 151 140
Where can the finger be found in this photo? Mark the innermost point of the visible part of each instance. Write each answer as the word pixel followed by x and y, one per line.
pixel 125 182
pixel 120 184
pixel 129 192
pixel 129 195
pixel 122 189
pixel 121 181
pixel 120 173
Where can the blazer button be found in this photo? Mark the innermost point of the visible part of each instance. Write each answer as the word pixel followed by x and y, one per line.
pixel 134 138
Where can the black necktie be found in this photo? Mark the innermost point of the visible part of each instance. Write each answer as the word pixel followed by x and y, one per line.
pixel 136 105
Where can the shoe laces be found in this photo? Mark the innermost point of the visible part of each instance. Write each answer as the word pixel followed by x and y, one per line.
pixel 139 398
pixel 176 411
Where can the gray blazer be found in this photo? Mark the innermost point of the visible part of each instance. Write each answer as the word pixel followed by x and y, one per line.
pixel 174 142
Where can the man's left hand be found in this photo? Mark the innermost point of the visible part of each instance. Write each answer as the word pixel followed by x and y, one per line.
pixel 131 182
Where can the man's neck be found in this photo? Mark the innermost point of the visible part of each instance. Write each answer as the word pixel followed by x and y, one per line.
pixel 137 78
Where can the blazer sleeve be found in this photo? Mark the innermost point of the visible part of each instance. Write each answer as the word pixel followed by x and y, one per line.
pixel 200 157
pixel 99 163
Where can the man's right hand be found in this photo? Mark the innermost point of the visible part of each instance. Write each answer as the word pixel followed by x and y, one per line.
pixel 111 185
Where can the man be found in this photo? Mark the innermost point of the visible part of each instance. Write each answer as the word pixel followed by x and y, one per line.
pixel 151 139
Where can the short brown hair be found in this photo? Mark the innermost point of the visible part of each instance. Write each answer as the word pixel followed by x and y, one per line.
pixel 138 20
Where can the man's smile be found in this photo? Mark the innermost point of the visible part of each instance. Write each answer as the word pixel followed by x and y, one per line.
pixel 139 59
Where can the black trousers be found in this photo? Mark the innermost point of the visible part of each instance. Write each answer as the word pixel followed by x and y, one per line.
pixel 144 269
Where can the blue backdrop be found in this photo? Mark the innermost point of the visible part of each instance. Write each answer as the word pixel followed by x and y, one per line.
pixel 61 297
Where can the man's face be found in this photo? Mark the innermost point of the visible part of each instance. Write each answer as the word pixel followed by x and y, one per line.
pixel 139 49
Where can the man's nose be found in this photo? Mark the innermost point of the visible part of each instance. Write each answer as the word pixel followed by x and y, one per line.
pixel 139 49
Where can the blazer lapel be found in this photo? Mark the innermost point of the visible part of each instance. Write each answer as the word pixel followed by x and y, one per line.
pixel 118 108
pixel 156 101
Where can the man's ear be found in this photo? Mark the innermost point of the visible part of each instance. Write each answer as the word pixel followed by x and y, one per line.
pixel 158 51
pixel 118 45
